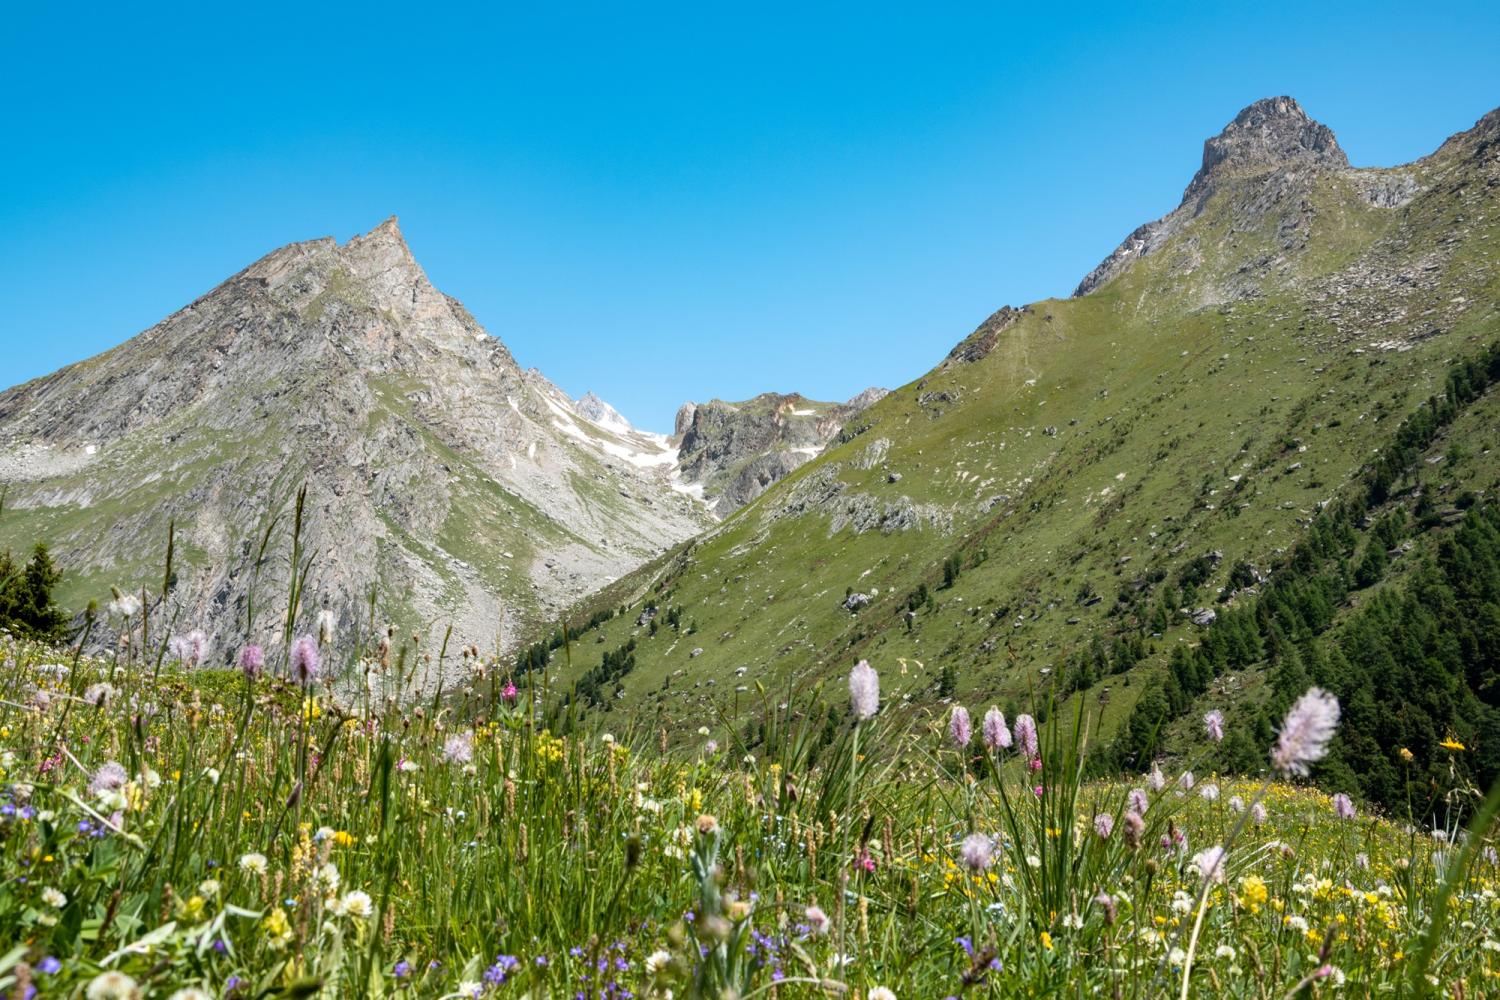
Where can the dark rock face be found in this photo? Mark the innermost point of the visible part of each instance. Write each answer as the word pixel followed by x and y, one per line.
pixel 1274 133
pixel 735 451
pixel 982 341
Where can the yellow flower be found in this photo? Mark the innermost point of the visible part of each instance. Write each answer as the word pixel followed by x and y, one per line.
pixel 1046 940
pixel 1407 755
pixel 1253 892
pixel 1452 743
pixel 343 838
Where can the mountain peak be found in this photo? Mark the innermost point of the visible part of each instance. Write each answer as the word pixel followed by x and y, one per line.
pixel 1272 133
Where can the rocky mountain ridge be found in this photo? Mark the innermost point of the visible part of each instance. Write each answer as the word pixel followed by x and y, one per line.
pixel 460 487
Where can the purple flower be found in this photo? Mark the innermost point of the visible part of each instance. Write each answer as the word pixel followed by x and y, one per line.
pixel 1137 801
pixel 960 730
pixel 1210 864
pixel 305 659
pixel 48 966
pixel 191 649
pixel 864 691
pixel 252 660
pixel 1343 806
pixel 994 730
pixel 1104 825
pixel 110 777
pixel 402 969
pixel 459 748
pixel 1305 733
pixel 1214 723
pixel 977 852
pixel 1026 740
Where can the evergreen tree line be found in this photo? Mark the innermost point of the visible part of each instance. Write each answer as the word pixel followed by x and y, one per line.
pixel 26 605
pixel 1414 668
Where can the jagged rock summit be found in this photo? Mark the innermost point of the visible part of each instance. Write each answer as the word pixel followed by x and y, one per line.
pixel 1272 141
pixel 461 487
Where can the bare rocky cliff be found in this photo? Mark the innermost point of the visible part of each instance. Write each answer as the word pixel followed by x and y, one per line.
pixel 458 486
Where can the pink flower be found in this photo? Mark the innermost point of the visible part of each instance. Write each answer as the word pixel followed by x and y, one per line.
pixel 960 730
pixel 1104 825
pixel 110 777
pixel 1026 740
pixel 1210 864
pixel 252 659
pixel 1137 801
pixel 1040 790
pixel 191 649
pixel 817 920
pixel 1214 723
pixel 1306 732
pixel 509 693
pixel 305 659
pixel 864 691
pixel 1135 828
pixel 977 852
pixel 459 748
pixel 1343 806
pixel 994 730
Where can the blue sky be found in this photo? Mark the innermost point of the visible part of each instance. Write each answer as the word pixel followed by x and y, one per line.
pixel 662 203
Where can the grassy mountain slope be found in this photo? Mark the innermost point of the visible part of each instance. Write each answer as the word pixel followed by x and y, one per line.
pixel 1094 468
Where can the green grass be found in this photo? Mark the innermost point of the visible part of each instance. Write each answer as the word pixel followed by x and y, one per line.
pixel 418 846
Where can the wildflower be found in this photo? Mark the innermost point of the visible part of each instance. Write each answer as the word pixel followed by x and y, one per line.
pixel 99 694
pixel 252 661
pixel 125 606
pixel 1209 792
pixel 708 825
pixel 326 623
pixel 110 777
pixel 49 966
pixel 1210 864
pixel 190 993
pixel 1104 825
pixel 1135 828
pixel 327 876
pixel 1186 781
pixel 305 659
pixel 960 730
pixel 977 852
pixel 1253 892
pixel 357 904
pixel 1258 814
pixel 1224 951
pixel 255 864
pixel 1305 733
pixel 817 920
pixel 1236 804
pixel 864 690
pixel 1214 723
pixel 191 649
pixel 1343 806
pixel 459 748
pixel 1452 742
pixel 1137 801
pixel 1107 903
pixel 112 986
pixel 657 962
pixel 1026 739
pixel 995 732
pixel 1046 940
pixel 1406 755
pixel 1156 781
pixel 881 993
pixel 54 898
pixel 508 693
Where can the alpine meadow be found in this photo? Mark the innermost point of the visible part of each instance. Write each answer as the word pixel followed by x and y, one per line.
pixel 1146 646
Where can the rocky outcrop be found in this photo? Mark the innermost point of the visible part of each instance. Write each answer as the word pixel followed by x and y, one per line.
pixel 1273 143
pixel 978 345
pixel 735 451
pixel 466 489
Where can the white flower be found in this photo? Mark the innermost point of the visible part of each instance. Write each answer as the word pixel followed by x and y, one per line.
pixel 881 993
pixel 208 888
pixel 1210 864
pixel 255 864
pixel 657 961
pixel 1306 732
pixel 357 904
pixel 864 692
pixel 54 898
pixel 112 986
pixel 1224 951
pixel 326 623
pixel 190 993
pixel 327 877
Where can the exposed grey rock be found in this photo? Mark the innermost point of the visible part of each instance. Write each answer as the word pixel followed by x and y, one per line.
pixel 856 601
pixel 427 453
